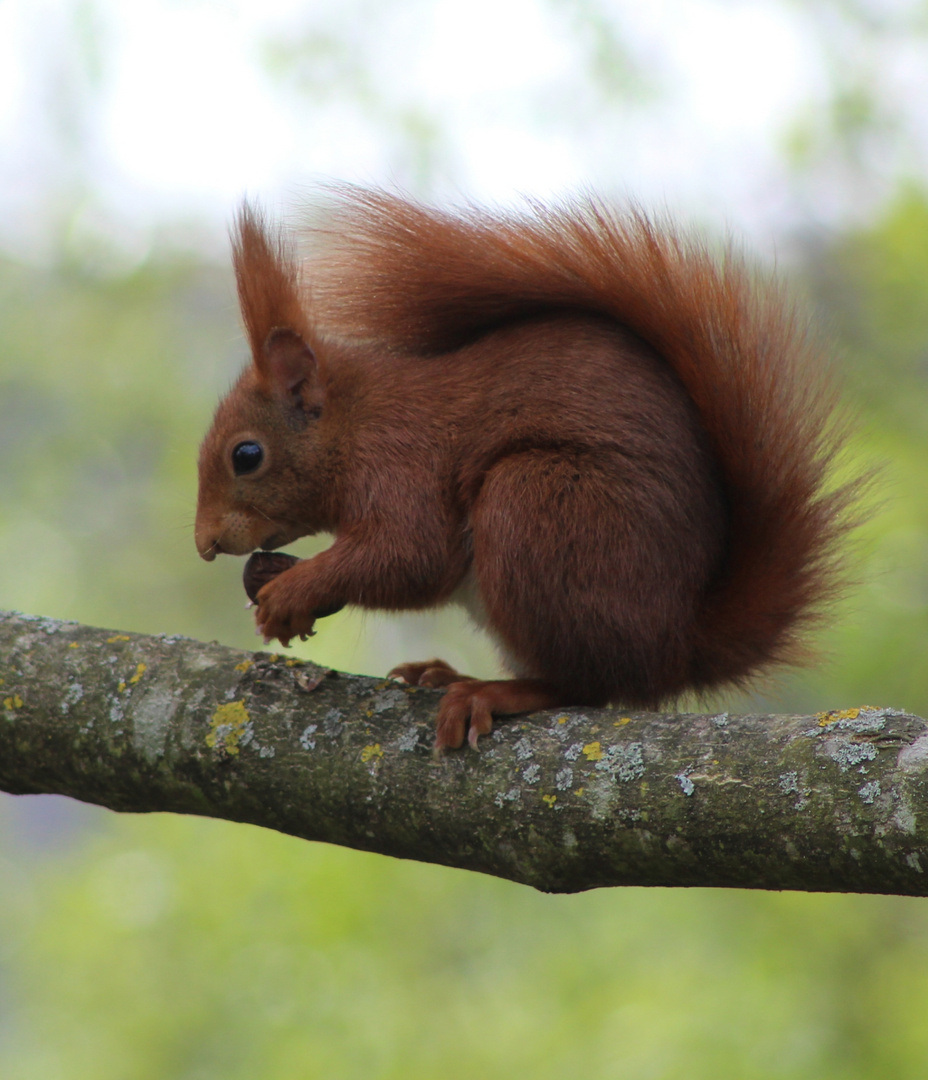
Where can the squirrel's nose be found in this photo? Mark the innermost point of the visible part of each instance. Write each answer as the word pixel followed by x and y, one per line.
pixel 207 542
pixel 210 551
pixel 235 532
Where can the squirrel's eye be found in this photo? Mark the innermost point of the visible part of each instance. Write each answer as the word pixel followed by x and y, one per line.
pixel 246 457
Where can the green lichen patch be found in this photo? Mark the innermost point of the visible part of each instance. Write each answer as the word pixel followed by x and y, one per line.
pixel 227 726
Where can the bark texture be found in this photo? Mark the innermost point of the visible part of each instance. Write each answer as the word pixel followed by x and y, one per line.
pixel 562 801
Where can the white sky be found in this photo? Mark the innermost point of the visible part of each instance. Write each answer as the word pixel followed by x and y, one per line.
pixel 186 119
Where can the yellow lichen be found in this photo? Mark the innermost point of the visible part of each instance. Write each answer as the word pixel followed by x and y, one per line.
pixel 73 645
pixel 117 637
pixel 139 672
pixel 621 723
pixel 121 687
pixel 227 726
pixel 274 657
pixel 593 751
pixel 14 702
pixel 562 719
pixel 549 799
pixel 579 791
pixel 834 715
pixel 293 663
pixel 243 666
pixel 372 751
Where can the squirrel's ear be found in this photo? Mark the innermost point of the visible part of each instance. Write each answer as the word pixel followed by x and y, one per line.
pixel 270 290
pixel 287 366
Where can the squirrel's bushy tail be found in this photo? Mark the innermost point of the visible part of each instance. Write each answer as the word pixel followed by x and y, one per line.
pixel 420 279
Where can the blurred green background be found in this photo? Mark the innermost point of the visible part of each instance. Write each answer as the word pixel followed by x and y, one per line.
pixel 160 947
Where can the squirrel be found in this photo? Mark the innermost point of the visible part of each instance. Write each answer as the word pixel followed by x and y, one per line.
pixel 614 447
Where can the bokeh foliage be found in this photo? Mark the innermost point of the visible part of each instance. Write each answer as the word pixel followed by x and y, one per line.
pixel 164 947
pixel 169 948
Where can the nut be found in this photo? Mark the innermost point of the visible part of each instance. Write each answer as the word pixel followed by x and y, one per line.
pixel 262 567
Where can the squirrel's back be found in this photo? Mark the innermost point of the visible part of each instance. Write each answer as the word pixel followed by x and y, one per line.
pixel 421 280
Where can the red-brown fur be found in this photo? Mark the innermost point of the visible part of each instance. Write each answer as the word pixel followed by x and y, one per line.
pixel 617 441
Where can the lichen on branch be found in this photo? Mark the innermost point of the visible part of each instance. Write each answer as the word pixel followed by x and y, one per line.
pixel 563 801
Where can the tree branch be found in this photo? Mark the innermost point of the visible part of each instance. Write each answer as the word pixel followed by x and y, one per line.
pixel 563 801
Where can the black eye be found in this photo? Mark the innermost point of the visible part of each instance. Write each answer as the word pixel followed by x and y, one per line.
pixel 246 457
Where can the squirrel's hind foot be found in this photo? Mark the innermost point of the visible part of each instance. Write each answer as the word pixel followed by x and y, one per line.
pixel 469 706
pixel 433 673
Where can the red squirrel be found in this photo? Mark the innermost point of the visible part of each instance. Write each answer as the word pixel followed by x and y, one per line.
pixel 613 447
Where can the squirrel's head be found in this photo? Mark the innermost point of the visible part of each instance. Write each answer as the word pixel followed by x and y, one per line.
pixel 260 467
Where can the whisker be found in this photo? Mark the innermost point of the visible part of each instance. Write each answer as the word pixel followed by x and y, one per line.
pixel 258 510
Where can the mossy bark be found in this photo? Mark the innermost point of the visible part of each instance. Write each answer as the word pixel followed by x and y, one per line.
pixel 562 801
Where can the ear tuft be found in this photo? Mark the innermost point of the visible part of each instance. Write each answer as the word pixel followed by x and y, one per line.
pixel 269 283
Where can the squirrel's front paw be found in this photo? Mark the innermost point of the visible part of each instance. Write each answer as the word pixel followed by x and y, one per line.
pixel 283 627
pixel 277 616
